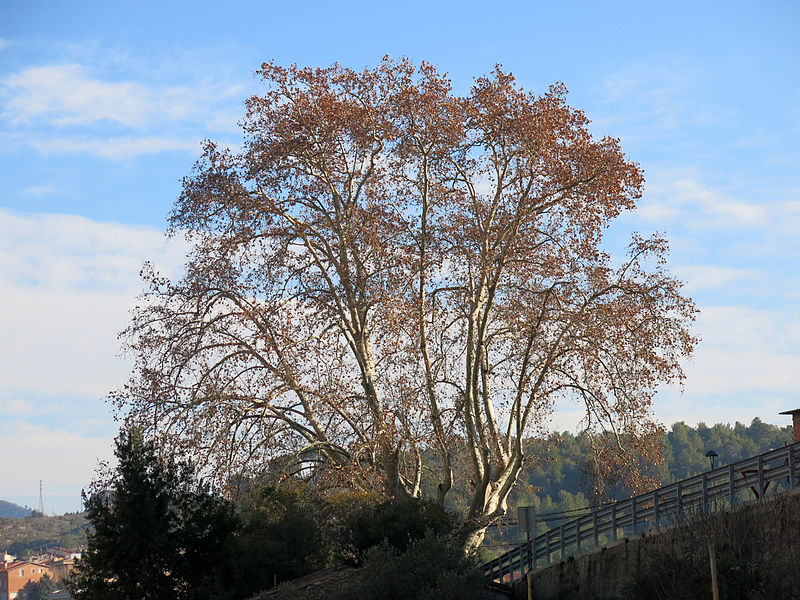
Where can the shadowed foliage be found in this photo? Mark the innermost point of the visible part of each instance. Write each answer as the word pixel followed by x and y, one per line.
pixel 157 534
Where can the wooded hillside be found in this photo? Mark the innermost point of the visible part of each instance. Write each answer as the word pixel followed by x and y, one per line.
pixel 33 534
pixel 9 509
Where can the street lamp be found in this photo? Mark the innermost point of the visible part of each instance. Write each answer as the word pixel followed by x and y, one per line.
pixel 712 458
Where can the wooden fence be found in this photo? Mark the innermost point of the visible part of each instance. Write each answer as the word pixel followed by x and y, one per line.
pixel 727 486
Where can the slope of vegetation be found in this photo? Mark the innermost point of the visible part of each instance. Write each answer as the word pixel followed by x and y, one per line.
pixel 749 564
pixel 14 511
pixel 33 534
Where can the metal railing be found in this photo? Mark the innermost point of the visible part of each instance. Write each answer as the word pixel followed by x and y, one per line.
pixel 724 487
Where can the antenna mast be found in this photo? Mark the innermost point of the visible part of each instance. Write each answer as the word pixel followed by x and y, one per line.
pixel 41 498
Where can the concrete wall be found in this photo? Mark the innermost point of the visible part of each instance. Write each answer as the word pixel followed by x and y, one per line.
pixel 599 574
pixel 607 571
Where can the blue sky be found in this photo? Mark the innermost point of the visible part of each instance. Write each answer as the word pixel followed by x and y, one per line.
pixel 103 106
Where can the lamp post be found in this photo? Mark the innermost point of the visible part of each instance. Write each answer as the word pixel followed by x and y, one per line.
pixel 712 458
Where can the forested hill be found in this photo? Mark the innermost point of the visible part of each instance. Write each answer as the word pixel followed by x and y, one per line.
pixel 560 484
pixel 14 511
pixel 34 534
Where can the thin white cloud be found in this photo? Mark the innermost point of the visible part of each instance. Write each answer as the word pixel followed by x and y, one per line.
pixel 757 139
pixel 68 283
pixel 658 213
pixel 5 43
pixel 735 372
pixel 743 329
pixel 66 95
pixel 700 277
pixel 16 408
pixel 719 208
pixel 745 352
pixel 113 148
pixel 40 190
pixel 746 365
pixel 790 217
pixel 64 342
pixel 646 102
pixel 65 109
pixel 670 108
pixel 39 249
pixel 679 196
pixel 725 227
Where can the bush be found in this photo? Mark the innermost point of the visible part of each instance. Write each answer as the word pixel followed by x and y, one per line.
pixel 398 525
pixel 290 531
pixel 755 554
pixel 346 510
pixel 430 569
pixel 283 536
pixel 673 577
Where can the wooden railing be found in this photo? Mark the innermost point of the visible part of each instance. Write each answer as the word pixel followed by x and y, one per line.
pixel 721 488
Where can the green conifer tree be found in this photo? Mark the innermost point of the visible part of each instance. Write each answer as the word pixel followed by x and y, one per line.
pixel 158 533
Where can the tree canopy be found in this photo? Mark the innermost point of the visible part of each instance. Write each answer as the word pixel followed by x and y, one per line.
pixel 387 269
pixel 41 589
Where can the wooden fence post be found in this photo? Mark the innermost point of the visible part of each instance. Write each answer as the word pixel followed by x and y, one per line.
pixel 732 484
pixel 704 501
pixel 713 560
pixel 530 586
pixel 656 512
pixel 547 547
pixel 614 522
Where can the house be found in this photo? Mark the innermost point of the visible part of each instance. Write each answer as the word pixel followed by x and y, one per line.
pixel 63 552
pixel 60 568
pixel 60 561
pixel 15 575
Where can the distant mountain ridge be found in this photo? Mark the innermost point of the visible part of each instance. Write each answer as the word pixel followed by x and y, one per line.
pixel 14 511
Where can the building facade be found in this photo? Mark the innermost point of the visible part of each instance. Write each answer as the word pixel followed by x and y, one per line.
pixel 15 575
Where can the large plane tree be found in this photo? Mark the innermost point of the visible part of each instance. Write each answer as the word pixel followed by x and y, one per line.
pixel 394 284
